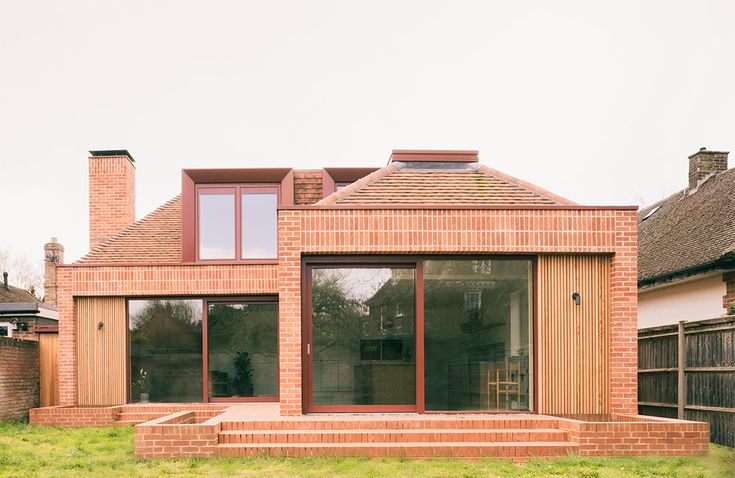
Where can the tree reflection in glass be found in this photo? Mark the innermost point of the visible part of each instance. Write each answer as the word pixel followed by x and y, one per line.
pixel 363 336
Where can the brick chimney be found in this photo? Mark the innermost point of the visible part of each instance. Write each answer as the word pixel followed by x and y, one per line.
pixel 704 164
pixel 111 194
pixel 53 257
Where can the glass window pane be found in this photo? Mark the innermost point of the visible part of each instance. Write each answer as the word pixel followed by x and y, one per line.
pixel 477 334
pixel 217 226
pixel 259 226
pixel 363 350
pixel 165 350
pixel 243 350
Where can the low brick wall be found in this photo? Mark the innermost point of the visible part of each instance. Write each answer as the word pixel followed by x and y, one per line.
pixel 636 435
pixel 75 417
pixel 19 378
pixel 180 435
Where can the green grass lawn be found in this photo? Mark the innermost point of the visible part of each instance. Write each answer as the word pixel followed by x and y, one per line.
pixel 27 451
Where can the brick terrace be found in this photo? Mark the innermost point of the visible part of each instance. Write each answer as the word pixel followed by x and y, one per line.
pixel 201 430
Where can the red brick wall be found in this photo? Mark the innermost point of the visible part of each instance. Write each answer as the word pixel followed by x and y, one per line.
pixel 307 187
pixel 501 231
pixel 378 231
pixel 176 436
pixel 19 385
pixel 130 281
pixel 111 197
pixel 636 435
pixel 75 417
pixel 624 316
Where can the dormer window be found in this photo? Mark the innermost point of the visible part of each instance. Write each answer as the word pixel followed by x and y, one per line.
pixel 237 222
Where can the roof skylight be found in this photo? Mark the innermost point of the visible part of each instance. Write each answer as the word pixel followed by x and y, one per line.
pixel 651 213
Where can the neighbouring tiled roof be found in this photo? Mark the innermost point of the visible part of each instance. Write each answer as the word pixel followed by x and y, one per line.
pixel 688 230
pixel 15 294
pixel 474 185
pixel 155 239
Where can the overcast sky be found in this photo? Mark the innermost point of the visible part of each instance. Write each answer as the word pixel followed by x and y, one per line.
pixel 601 102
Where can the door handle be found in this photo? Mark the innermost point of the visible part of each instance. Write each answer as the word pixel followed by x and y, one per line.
pixel 308 349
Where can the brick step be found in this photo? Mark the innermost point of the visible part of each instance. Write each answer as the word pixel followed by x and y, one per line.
pixel 437 435
pixel 140 416
pixel 390 424
pixel 167 409
pixel 146 413
pixel 128 423
pixel 512 450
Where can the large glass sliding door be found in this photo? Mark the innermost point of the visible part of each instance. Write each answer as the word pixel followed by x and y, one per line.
pixel 467 322
pixel 478 330
pixel 362 350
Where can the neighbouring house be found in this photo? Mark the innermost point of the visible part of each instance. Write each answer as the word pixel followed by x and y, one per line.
pixel 28 340
pixel 686 247
pixel 24 316
pixel 432 293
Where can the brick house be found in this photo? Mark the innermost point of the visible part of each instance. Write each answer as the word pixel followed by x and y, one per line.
pixel 22 314
pixel 436 289
pixel 686 268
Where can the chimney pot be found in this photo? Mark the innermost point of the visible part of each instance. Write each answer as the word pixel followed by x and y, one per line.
pixel 54 257
pixel 705 163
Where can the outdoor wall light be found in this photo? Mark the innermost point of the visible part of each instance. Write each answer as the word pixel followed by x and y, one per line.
pixel 576 298
pixel 100 325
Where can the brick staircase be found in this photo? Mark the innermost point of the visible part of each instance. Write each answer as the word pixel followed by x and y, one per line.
pixel 442 436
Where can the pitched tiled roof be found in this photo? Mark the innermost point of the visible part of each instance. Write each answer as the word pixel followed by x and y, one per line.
pixel 15 294
pixel 471 185
pixel 688 230
pixel 156 238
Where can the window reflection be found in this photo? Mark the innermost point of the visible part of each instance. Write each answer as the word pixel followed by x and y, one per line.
pixel 363 336
pixel 165 350
pixel 259 225
pixel 477 334
pixel 217 226
pixel 242 341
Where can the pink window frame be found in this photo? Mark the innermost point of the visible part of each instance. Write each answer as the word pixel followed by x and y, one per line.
pixel 237 190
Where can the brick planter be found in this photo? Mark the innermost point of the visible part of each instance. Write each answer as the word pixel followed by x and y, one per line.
pixel 179 435
pixel 606 435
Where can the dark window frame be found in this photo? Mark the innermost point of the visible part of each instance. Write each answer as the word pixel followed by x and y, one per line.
pixel 417 261
pixel 205 301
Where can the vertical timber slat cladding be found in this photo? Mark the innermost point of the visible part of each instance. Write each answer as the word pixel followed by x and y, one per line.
pixel 48 345
pixel 573 339
pixel 101 352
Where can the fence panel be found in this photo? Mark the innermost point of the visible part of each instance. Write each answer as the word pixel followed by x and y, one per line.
pixel 704 374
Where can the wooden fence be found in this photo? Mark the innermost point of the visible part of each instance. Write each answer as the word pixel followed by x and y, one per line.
pixel 687 371
pixel 48 346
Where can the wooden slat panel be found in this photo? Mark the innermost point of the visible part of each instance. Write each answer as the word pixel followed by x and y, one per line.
pixel 48 345
pixel 101 354
pixel 573 339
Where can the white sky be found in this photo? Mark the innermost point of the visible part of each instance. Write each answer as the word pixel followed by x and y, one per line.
pixel 599 102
